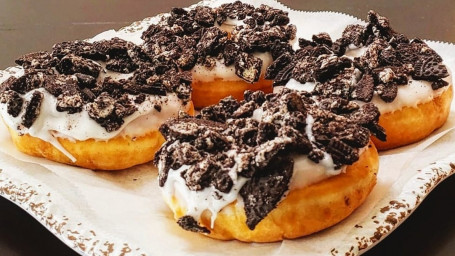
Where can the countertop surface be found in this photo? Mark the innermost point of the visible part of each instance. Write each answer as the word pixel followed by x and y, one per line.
pixel 27 26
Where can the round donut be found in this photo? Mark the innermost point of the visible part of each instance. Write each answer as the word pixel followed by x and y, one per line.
pixel 267 168
pixel 96 105
pixel 227 49
pixel 303 211
pixel 405 79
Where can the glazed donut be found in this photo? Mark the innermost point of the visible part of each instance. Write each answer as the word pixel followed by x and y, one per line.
pixel 96 105
pixel 226 48
pixel 404 78
pixel 267 168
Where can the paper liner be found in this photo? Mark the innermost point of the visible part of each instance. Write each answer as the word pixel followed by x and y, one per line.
pixel 122 213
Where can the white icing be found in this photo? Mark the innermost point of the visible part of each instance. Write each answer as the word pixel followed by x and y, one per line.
pixel 196 202
pixel 296 85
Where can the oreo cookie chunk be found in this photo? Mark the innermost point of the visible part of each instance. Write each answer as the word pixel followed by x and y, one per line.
pixel 242 149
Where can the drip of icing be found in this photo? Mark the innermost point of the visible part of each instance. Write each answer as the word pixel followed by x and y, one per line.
pixel 196 202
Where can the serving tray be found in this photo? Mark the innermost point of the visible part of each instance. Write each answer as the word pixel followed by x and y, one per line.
pixel 122 213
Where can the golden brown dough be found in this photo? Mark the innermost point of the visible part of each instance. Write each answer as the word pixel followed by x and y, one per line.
pixel 411 124
pixel 303 211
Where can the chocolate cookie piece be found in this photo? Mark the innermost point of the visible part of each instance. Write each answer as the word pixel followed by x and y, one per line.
pixel 121 64
pixel 262 193
pixel 72 64
pixel 187 129
pixel 277 66
pixel 113 47
pixel 109 112
pixel 32 109
pixel 340 150
pixel 221 111
pixel 13 102
pixel 37 60
pixel 368 116
pixel 199 175
pixel 439 84
pixel 58 84
pixel 248 67
pixel 429 68
pixel 80 48
pixel 364 89
pixel 205 16
pixel 323 38
pixel 17 84
pixel 236 10
pixel 71 103
pixel 174 156
pixel 190 224
pixel 211 42
pixel 354 34
pixel 387 92
pixel 85 81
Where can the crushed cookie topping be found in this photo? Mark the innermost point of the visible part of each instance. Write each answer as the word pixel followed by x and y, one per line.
pixel 389 59
pixel 72 73
pixel 254 138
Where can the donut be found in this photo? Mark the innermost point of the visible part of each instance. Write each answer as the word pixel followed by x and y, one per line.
pixel 227 48
pixel 404 78
pixel 95 105
pixel 269 167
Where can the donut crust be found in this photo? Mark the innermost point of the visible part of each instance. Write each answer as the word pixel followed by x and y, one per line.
pixel 208 93
pixel 411 124
pixel 118 153
pixel 304 211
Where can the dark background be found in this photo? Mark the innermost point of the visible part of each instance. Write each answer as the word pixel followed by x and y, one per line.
pixel 28 25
